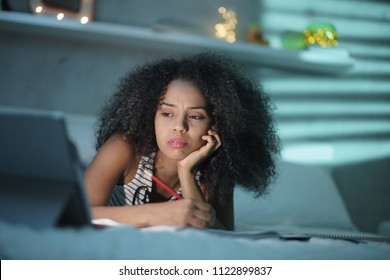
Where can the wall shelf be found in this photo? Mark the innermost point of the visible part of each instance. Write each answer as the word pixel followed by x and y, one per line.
pixel 312 61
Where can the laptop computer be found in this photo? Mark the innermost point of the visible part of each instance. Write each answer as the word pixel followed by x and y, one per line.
pixel 41 178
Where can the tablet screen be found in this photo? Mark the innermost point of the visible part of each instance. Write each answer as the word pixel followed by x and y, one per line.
pixel 41 182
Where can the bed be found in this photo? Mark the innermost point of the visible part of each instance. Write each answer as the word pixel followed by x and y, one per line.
pixel 302 217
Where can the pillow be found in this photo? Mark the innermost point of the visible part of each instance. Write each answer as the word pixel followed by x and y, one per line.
pixel 302 196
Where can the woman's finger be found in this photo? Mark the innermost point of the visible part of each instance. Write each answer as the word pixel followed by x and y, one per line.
pixel 216 137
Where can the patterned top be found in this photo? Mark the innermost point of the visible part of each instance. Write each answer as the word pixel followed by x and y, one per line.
pixel 139 189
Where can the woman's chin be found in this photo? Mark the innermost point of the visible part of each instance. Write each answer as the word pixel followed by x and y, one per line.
pixel 174 154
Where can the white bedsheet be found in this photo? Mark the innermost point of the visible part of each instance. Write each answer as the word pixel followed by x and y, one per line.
pixel 19 242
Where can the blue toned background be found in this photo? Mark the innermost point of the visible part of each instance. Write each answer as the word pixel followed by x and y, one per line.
pixel 326 116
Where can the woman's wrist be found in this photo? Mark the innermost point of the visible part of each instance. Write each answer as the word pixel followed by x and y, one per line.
pixel 187 179
pixel 184 173
pixel 189 186
pixel 151 213
pixel 183 168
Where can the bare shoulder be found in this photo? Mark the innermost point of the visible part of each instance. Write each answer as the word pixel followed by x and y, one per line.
pixel 116 157
pixel 117 147
pixel 118 142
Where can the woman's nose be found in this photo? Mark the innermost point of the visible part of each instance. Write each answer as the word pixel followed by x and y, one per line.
pixel 180 125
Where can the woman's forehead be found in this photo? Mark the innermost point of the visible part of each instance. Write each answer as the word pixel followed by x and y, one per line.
pixel 179 91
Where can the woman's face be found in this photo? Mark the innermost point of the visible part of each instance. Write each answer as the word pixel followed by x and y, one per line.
pixel 181 120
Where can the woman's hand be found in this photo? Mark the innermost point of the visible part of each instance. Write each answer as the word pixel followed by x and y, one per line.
pixel 179 213
pixel 213 142
pixel 184 213
pixel 195 210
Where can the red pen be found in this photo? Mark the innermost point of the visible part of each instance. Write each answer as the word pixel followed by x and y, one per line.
pixel 158 181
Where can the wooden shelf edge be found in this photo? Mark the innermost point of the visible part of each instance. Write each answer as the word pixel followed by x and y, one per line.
pixel 99 32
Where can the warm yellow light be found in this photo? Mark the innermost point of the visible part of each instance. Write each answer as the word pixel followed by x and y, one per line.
pixel 222 10
pixel 325 37
pixel 226 30
pixel 231 33
pixel 38 9
pixel 231 26
pixel 231 39
pixel 84 20
pixel 329 35
pixel 221 33
pixel 60 16
pixel 219 26
pixel 226 16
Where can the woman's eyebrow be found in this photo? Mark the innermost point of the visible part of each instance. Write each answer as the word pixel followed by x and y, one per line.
pixel 168 104
pixel 191 107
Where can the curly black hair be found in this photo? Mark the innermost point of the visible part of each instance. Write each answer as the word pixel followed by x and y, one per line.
pixel 241 113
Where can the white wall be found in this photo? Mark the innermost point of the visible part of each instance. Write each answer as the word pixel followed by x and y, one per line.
pixel 76 75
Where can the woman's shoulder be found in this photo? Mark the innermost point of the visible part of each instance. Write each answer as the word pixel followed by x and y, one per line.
pixel 118 143
pixel 119 151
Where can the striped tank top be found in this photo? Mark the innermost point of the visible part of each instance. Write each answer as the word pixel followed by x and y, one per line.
pixel 139 189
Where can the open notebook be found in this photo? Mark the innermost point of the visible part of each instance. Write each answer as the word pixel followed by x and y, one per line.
pixel 41 182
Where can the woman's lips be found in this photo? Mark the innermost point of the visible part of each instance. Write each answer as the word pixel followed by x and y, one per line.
pixel 177 143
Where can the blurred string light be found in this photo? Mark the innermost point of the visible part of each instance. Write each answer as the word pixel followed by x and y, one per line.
pixel 60 16
pixel 84 20
pixel 226 30
pixel 38 9
pixel 84 15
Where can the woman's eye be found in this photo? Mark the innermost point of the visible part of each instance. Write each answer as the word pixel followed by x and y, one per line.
pixel 166 114
pixel 195 117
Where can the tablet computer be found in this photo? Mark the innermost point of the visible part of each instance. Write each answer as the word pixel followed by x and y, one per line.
pixel 41 178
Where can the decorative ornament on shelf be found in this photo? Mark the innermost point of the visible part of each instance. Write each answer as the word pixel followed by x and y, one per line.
pixel 293 40
pixel 255 35
pixel 226 30
pixel 322 34
pixel 316 35
pixel 81 10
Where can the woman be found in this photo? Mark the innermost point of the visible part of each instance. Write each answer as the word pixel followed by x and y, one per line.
pixel 194 124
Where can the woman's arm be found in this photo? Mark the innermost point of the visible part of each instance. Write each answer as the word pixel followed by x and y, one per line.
pixel 187 166
pixel 179 213
pixel 117 161
pixel 220 216
pixel 217 216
